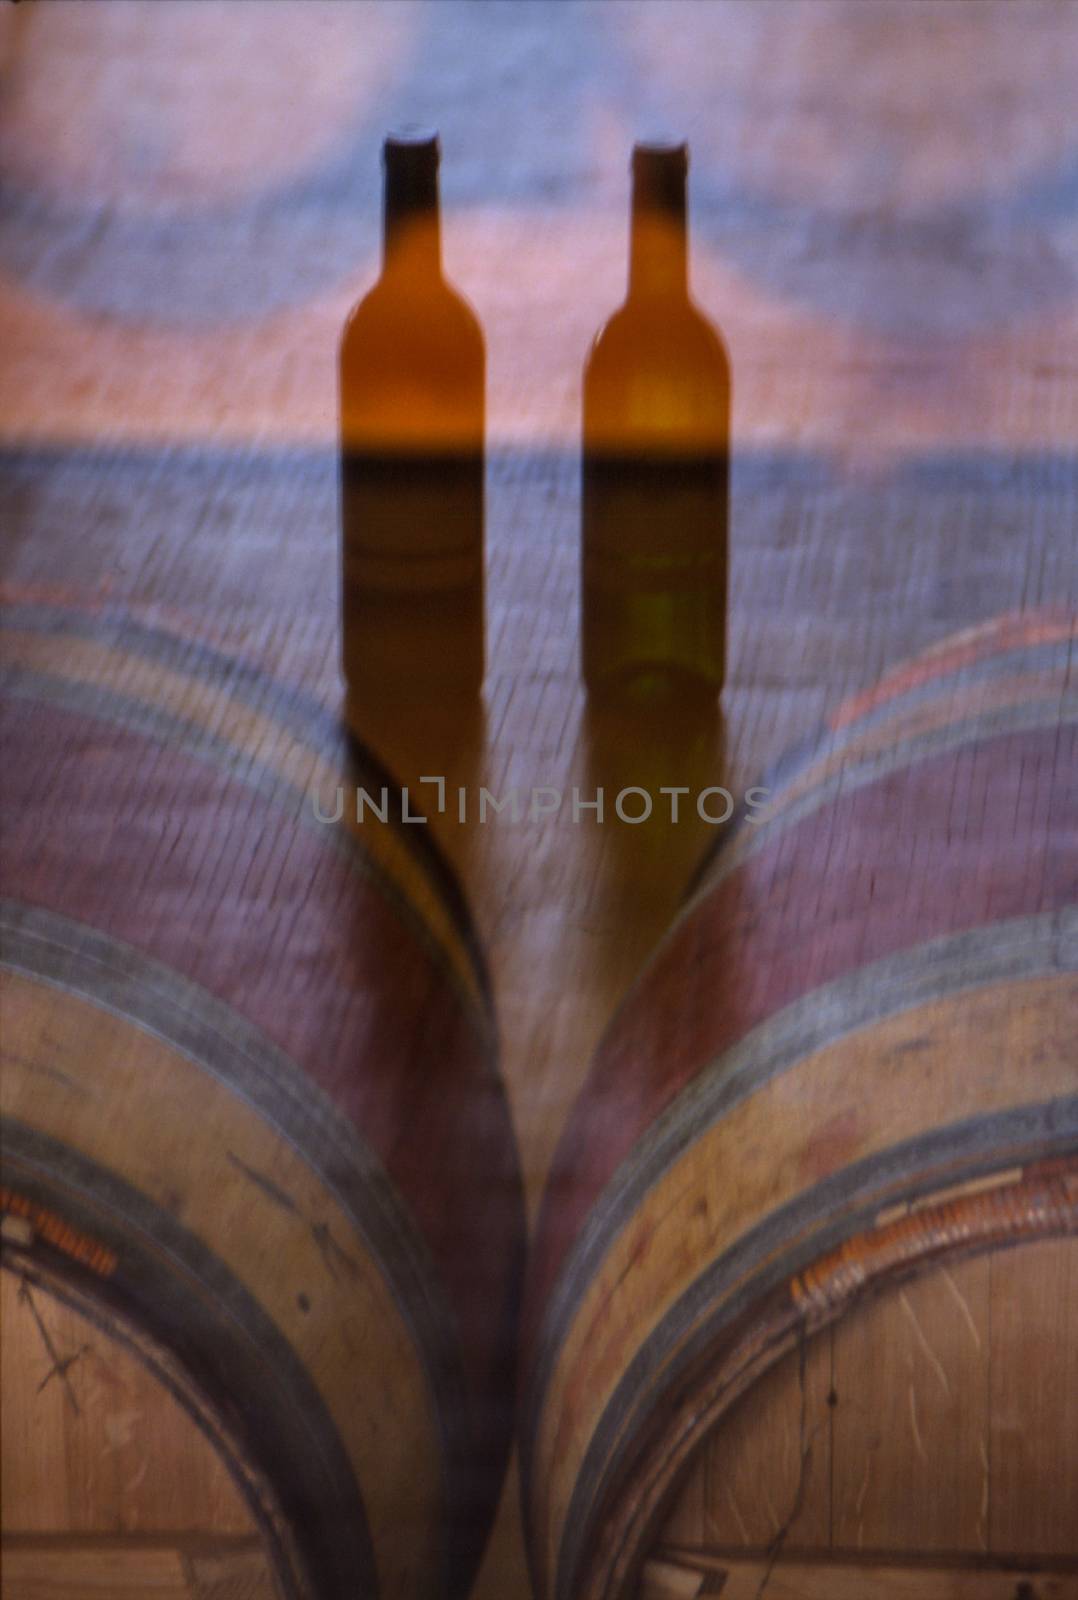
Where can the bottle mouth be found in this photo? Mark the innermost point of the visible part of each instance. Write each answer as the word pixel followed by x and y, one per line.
pixel 660 160
pixel 412 148
pixel 660 170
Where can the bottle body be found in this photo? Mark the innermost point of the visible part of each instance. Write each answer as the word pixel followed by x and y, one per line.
pixel 412 403
pixel 655 479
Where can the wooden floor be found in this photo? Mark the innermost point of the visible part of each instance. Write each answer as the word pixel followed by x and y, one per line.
pixel 884 224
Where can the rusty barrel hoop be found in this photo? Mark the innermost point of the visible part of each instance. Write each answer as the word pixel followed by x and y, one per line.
pixel 253 1124
pixel 853 1056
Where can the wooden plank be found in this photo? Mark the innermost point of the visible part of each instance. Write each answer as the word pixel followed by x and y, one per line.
pixel 65 1574
pixel 738 1577
pixel 665 1580
pixel 70 1569
pixel 1033 1418
pixel 910 1436
pixel 231 1575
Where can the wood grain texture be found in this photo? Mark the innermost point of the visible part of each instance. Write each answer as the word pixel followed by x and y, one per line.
pixel 769 1468
pixel 949 1425
pixel 882 224
pixel 1033 1399
pixel 31 1573
pixel 86 1426
pixel 739 1578
pixel 662 1580
pixel 911 1419
pixel 143 1569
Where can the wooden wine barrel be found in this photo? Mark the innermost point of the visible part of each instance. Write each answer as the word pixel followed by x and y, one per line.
pixel 854 1055
pixel 252 1122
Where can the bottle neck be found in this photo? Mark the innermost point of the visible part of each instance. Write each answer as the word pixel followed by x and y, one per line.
pixel 659 241
pixel 412 235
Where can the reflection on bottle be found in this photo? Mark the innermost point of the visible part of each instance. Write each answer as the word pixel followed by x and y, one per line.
pixel 412 365
pixel 656 463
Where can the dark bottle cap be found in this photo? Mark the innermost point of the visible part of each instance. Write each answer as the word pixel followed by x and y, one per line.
pixel 660 157
pixel 659 168
pixel 412 150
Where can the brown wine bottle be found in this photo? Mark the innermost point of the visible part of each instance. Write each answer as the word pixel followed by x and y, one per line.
pixel 412 381
pixel 656 464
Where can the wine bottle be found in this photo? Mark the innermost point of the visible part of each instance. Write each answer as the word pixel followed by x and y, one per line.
pixel 656 427
pixel 412 381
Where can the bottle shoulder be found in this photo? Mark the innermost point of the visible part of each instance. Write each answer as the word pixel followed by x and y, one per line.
pixel 663 334
pixel 412 372
pixel 413 314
